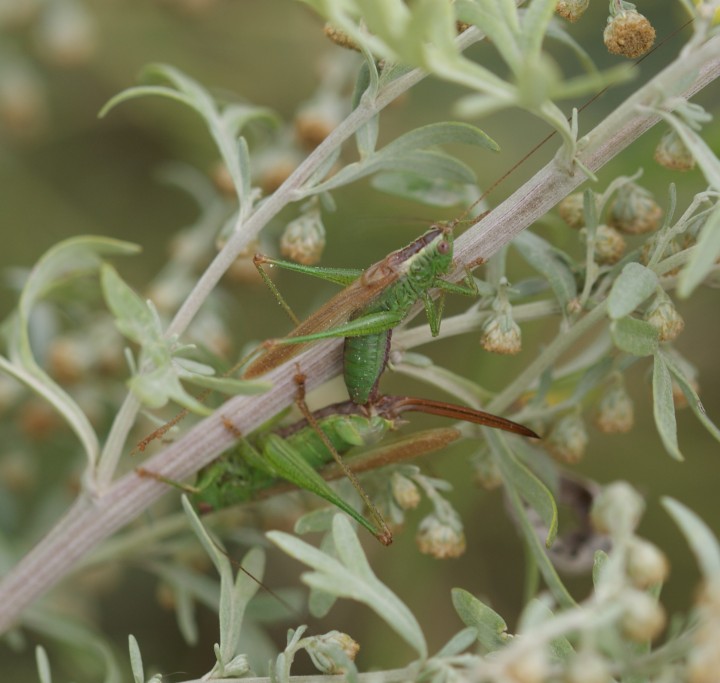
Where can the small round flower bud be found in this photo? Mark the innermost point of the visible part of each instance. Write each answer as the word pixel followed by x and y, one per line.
pixel 615 413
pixel 634 211
pixel 703 662
pixel 673 153
pixel 242 269
pixel 38 420
pixel 66 34
pixel 571 10
pixel 530 667
pixel 18 472
pixel 317 119
pixel 617 509
pixel 10 392
pixel 304 239
pixel 571 210
pixel 646 564
pixel 568 439
pixel 324 651
pixel 271 166
pixel 648 250
pixel 609 245
pixel 501 334
pixel 223 180
pixel 165 596
pixel 643 618
pixel 629 34
pixel 404 491
pixel 439 538
pixel 68 360
pixel 587 667
pixel 664 318
pixel 340 37
pixel 23 106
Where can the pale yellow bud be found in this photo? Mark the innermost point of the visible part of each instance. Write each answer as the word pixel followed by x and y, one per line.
pixel 664 318
pixel 672 153
pixel 617 509
pixel 304 239
pixel 644 618
pixel 501 334
pixel 324 649
pixel 609 245
pixel 615 412
pixel 404 491
pixel 439 538
pixel 567 439
pixel 571 10
pixel 634 211
pixel 646 564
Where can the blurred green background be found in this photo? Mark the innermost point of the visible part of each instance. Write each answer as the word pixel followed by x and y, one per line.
pixel 64 172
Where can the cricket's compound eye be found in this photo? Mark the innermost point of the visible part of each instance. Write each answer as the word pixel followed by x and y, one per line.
pixel 443 246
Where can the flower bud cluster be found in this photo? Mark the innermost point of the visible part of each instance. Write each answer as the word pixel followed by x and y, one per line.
pixel 332 652
pixel 615 413
pixel 303 240
pixel 500 333
pixel 634 565
pixel 567 439
pixel 628 33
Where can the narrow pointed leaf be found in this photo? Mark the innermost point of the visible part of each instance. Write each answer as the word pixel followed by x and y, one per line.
pixel 664 407
pixel 702 541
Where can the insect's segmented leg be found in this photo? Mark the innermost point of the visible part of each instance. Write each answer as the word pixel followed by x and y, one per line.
pixel 383 533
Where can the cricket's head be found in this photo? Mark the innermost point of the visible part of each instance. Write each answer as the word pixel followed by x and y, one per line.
pixel 435 255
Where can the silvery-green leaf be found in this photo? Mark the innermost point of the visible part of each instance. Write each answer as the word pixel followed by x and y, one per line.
pixel 440 134
pixel 664 407
pixel 72 632
pixel 706 159
pixel 490 627
pixel 634 336
pixel 704 255
pixel 514 477
pixel 431 191
pixel 229 385
pixel 132 315
pixel 136 664
pixel 701 539
pixel 633 286
pixel 460 642
pixel 43 665
pixel 550 262
pixel 70 258
pixel 237 116
pixel 691 395
pixel 156 387
pixel 234 594
pixel 354 582
pixel 223 126
pixel 528 486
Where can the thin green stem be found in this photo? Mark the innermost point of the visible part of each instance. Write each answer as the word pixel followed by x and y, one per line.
pixel 546 359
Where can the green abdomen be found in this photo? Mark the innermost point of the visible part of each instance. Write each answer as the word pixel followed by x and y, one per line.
pixel 365 359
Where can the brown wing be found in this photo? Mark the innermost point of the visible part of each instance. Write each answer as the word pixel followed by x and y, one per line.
pixel 338 310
